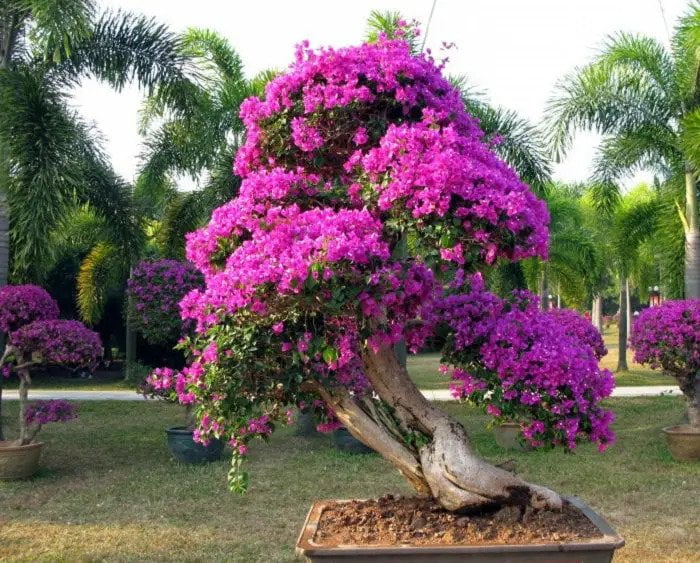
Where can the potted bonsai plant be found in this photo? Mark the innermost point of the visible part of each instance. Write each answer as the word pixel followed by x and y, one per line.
pixel 181 439
pixel 352 152
pixel 155 289
pixel 21 305
pixel 42 342
pixel 668 337
pixel 500 329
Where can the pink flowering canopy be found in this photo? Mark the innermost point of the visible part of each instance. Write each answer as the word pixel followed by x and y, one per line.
pixel 67 343
pixel 539 368
pixel 668 337
pixel 23 304
pixel 156 288
pixel 366 186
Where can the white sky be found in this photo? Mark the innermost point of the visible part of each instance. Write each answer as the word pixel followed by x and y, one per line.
pixel 515 50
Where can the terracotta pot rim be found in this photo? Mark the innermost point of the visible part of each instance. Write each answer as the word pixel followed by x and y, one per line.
pixel 682 430
pixel 9 446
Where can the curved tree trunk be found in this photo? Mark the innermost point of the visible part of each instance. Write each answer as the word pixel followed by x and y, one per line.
pixel 439 459
pixel 692 238
pixel 622 327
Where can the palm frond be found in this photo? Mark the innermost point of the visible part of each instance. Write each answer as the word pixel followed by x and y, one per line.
pixel 60 26
pixel 387 23
pixel 124 47
pixel 41 138
pixel 520 143
pixel 607 98
pixel 649 147
pixel 100 271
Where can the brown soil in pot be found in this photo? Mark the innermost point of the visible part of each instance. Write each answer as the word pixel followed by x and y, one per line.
pixel 419 521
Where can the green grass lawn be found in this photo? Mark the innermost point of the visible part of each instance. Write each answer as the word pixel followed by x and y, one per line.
pixel 108 489
pixel 102 381
pixel 424 368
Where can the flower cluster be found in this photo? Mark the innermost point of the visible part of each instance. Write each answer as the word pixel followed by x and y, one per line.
pixel 581 328
pixel 155 289
pixel 528 366
pixel 668 337
pixel 23 304
pixel 44 412
pixel 61 342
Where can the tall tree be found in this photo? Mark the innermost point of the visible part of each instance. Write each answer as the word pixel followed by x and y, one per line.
pixel 645 100
pixel 620 229
pixel 49 158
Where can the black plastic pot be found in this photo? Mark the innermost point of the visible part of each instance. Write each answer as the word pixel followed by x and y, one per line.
pixel 346 442
pixel 595 550
pixel 185 449
pixel 306 425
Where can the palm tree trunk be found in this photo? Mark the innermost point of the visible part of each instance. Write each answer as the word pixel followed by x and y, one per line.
pixel 629 308
pixel 9 30
pixel 622 326
pixel 692 237
pixel 597 313
pixel 4 255
pixel 544 301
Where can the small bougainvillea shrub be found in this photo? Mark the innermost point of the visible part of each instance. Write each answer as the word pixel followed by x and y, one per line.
pixel 539 368
pixel 668 337
pixel 23 304
pixel 156 288
pixel 580 327
pixel 365 184
pixel 40 342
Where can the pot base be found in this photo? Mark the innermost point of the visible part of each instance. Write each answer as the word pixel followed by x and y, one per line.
pixel 185 449
pixel 598 549
pixel 683 442
pixel 19 462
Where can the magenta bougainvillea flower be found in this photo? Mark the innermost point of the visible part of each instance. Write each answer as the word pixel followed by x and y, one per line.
pixel 534 367
pixel 68 343
pixel 23 304
pixel 156 288
pixel 668 337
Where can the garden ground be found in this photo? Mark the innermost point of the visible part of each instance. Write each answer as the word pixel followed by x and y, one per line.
pixel 109 490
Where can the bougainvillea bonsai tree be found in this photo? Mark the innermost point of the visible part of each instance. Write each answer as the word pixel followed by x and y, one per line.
pixel 369 200
pixel 20 305
pixel 48 342
pixel 156 288
pixel 28 315
pixel 668 337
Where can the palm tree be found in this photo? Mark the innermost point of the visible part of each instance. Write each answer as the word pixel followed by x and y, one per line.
pixel 49 158
pixel 196 131
pixel 645 100
pixel 574 267
pixel 620 233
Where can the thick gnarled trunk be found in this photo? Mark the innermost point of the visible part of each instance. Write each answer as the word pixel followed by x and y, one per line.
pixel 440 461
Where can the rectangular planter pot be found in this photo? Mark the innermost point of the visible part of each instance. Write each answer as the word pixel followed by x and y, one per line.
pixel 597 550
